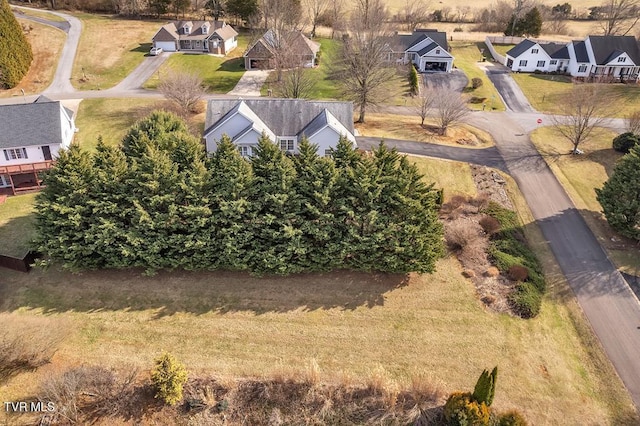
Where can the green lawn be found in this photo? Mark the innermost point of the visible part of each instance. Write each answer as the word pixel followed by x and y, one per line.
pixel 467 55
pixel 16 225
pixel 502 49
pixel 580 175
pixel 109 49
pixel 452 176
pixel 325 87
pixel 219 75
pixel 109 118
pixel 545 92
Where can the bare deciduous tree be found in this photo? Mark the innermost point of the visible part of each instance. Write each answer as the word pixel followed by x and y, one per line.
pixel 183 88
pixel 414 13
pixel 363 69
pixel 619 16
pixel 296 83
pixel 337 10
pixel 586 107
pixel 315 9
pixel 369 14
pixel 633 122
pixel 449 108
pixel 424 104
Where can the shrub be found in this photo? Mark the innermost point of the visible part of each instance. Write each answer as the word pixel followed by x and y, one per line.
pixel 490 225
pixel 461 410
pixel 476 82
pixel 485 388
pixel 15 50
pixel 168 378
pixel 508 218
pixel 27 343
pixel 518 273
pixel 460 234
pixel 414 85
pixel 512 418
pixel 526 300
pixel 625 141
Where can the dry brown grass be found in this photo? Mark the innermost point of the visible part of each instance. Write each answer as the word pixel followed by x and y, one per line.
pixel 394 126
pixel 46 43
pixel 109 49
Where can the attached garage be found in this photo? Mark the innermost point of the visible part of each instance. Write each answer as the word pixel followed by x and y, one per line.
pixel 167 46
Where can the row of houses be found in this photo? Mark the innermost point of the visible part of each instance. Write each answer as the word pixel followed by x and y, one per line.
pixel 614 57
pixel 427 49
pixel 34 133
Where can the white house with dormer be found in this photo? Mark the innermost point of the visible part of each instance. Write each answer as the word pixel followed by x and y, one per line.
pixel 283 121
pixel 31 137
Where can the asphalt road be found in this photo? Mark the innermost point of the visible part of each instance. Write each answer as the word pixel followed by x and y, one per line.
pixel 511 94
pixel 606 299
pixel 142 73
pixel 61 25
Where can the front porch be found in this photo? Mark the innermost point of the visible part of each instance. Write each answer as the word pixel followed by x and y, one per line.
pixel 622 73
pixel 22 178
pixel 194 45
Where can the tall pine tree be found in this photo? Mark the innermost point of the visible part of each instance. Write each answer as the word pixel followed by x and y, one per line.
pixel 15 50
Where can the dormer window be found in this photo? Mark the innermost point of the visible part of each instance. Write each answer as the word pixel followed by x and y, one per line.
pixel 622 59
pixel 204 29
pixel 187 29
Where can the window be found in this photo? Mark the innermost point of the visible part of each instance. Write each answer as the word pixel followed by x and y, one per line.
pixel 328 152
pixel 204 29
pixel 534 50
pixel 197 43
pixel 15 154
pixel 622 59
pixel 523 63
pixel 287 144
pixel 437 51
pixel 553 62
pixel 582 68
pixel 245 151
pixel 541 63
pixel 187 29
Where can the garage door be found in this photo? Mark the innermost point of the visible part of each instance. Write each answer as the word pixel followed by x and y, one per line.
pixel 167 46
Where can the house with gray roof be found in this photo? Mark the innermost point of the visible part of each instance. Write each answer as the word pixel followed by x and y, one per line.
pixel 614 58
pixel 284 121
pixel 31 137
pixel 216 37
pixel 290 49
pixel 427 49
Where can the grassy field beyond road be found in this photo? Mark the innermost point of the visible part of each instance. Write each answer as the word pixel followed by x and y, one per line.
pixel 580 175
pixel 109 49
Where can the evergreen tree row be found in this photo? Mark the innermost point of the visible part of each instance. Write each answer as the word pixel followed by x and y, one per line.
pixel 158 202
pixel 15 50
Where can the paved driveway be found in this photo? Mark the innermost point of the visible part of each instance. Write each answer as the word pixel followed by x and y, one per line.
pixel 142 73
pixel 509 90
pixel 250 83
pixel 454 80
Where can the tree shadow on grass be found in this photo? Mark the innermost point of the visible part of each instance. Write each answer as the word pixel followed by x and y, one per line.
pixel 15 236
pixel 54 290
pixel 143 48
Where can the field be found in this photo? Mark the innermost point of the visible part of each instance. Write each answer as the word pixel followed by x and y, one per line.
pixel 46 44
pixel 407 127
pixel 580 175
pixel 467 56
pixel 109 50
pixel 545 92
pixel 356 327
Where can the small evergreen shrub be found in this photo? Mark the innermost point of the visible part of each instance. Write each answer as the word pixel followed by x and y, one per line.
pixel 526 300
pixel 414 84
pixel 476 82
pixel 168 378
pixel 485 389
pixel 461 410
pixel 626 141
pixel 518 273
pixel 512 418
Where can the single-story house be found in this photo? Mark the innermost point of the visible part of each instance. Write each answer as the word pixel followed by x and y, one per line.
pixel 31 136
pixel 427 49
pixel 597 57
pixel 294 49
pixel 284 121
pixel 530 56
pixel 215 37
